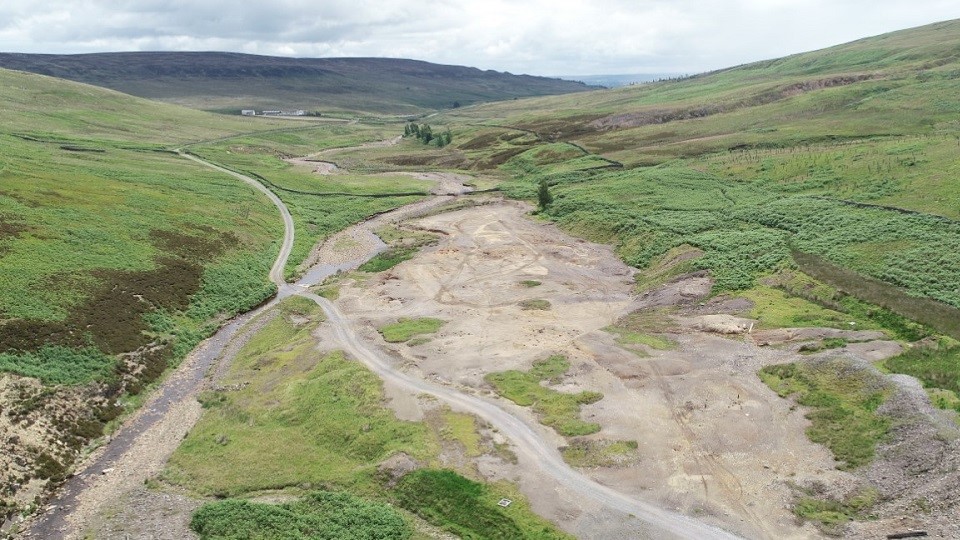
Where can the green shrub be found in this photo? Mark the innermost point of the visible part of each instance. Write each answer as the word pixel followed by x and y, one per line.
pixel 54 364
pixel 319 515
pixel 467 508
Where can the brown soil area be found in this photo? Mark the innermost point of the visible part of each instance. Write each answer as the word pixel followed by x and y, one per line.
pixel 714 441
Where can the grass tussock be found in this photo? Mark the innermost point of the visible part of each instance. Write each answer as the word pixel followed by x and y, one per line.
pixel 630 338
pixel 388 259
pixel 831 513
pixel 535 304
pixel 406 329
pixel 599 453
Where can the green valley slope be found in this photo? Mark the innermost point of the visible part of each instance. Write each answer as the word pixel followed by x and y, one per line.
pixel 117 256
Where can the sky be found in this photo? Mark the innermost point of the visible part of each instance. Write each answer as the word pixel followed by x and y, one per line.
pixel 538 37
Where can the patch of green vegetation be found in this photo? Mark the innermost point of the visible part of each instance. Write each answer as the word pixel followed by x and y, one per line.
pixel 405 329
pixel 627 337
pixel 59 365
pixel 107 251
pixel 399 236
pixel 463 429
pixel 944 399
pixel 774 308
pixel 535 304
pixel 530 283
pixel 897 303
pixel 936 366
pixel 832 513
pixel 133 235
pixel 330 292
pixel 745 230
pixel 599 453
pixel 469 509
pixel 646 321
pixel 558 410
pixel 35 105
pixel 866 315
pixel 327 411
pixel 843 402
pixel 387 259
pixel 318 515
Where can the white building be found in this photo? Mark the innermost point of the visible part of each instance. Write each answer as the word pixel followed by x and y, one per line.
pixel 248 112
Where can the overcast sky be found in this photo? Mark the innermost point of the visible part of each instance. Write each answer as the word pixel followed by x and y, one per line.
pixel 541 37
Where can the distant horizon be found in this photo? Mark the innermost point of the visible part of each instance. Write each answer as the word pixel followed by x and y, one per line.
pixel 534 37
pixel 642 77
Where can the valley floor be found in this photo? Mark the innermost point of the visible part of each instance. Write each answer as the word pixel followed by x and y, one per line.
pixel 675 422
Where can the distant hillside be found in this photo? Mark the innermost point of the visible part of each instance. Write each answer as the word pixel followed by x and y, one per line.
pixel 229 82
pixel 901 83
pixel 617 80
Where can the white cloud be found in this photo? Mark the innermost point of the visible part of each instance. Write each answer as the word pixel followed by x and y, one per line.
pixel 521 36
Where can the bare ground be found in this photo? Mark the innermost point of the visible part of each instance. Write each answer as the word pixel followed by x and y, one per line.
pixel 714 442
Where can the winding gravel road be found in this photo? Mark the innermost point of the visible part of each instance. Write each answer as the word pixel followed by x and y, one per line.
pixel 276 272
pixel 525 439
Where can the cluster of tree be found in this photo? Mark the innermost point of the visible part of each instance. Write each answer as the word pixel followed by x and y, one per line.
pixel 425 134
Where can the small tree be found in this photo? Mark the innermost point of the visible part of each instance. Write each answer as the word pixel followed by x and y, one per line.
pixel 544 198
pixel 444 138
pixel 426 134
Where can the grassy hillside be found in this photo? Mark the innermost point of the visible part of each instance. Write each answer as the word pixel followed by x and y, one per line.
pixel 117 256
pixel 96 212
pixel 210 81
pixel 892 85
